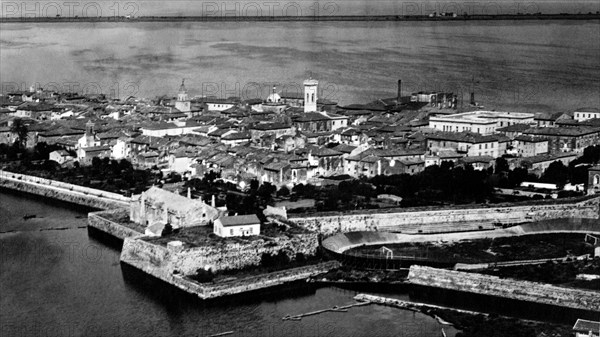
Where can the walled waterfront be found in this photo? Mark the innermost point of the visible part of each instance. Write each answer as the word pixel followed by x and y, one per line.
pixel 53 189
pixel 448 220
pixel 171 265
pixel 157 262
pixel 87 292
pixel 100 221
pixel 505 288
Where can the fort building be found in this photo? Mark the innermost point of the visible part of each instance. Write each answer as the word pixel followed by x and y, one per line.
pixel 156 207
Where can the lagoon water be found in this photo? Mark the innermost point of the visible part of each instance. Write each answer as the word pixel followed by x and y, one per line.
pixel 56 280
pixel 520 66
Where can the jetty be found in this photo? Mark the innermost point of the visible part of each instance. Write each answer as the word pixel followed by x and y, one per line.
pixel 412 306
pixel 343 308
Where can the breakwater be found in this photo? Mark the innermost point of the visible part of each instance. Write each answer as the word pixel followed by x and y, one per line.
pixel 505 288
pixel 220 17
pixel 413 221
pixel 75 194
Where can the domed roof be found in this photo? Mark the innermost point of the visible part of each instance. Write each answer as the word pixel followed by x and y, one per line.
pixel 273 98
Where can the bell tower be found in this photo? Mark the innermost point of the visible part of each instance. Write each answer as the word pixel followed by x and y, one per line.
pixel 183 103
pixel 90 133
pixel 310 95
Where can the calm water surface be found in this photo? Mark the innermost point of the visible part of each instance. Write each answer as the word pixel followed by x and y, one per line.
pixel 64 283
pixel 524 66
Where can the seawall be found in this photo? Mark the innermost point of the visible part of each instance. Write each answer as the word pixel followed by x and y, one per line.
pixel 166 264
pixel 447 220
pixel 505 288
pixel 343 242
pixel 75 194
pixel 220 256
pixel 101 221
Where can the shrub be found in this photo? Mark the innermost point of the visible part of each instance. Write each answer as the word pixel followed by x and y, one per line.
pixel 168 229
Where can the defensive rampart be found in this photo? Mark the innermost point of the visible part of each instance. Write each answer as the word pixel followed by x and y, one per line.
pixel 217 256
pixel 505 288
pixel 101 221
pixel 343 242
pixel 172 265
pixel 447 220
pixel 53 189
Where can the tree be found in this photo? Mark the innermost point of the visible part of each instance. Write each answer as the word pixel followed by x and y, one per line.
pixel 283 191
pixel 265 192
pixel 19 128
pixel 556 173
pixel 501 165
pixel 168 229
pixel 96 163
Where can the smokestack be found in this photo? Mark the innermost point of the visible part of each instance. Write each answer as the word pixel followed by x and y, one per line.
pixel 212 201
pixel 399 91
pixel 472 98
pixel 189 193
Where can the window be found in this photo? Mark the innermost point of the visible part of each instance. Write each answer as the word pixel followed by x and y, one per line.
pixel 231 232
pixel 250 230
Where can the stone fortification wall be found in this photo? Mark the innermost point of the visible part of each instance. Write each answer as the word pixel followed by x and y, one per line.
pixel 230 255
pixel 161 262
pixel 437 221
pixel 99 221
pixel 506 288
pixel 79 195
pixel 206 291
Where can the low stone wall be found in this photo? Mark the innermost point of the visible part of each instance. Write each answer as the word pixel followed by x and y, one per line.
pixel 247 284
pixel 438 221
pixel 161 262
pixel 342 242
pixel 230 255
pixel 62 191
pixel 505 288
pixel 99 221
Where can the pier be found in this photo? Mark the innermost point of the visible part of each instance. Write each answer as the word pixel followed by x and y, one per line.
pixel 343 308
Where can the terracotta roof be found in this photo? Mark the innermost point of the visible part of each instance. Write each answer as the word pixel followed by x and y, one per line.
pixel 325 152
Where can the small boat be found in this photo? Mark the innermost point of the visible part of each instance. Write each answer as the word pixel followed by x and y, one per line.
pixel 222 334
pixel 29 216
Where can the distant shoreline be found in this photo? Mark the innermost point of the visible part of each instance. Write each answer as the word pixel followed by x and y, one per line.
pixel 520 17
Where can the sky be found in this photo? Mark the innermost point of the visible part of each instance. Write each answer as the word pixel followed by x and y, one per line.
pixel 17 8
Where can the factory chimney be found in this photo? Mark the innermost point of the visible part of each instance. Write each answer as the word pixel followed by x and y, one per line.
pixel 399 99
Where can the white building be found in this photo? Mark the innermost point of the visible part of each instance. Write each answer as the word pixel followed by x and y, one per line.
pixel 467 144
pixel 482 122
pixel 242 225
pixel 585 328
pixel 218 104
pixel 310 95
pixel 584 114
pixel 120 149
pixel 60 156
